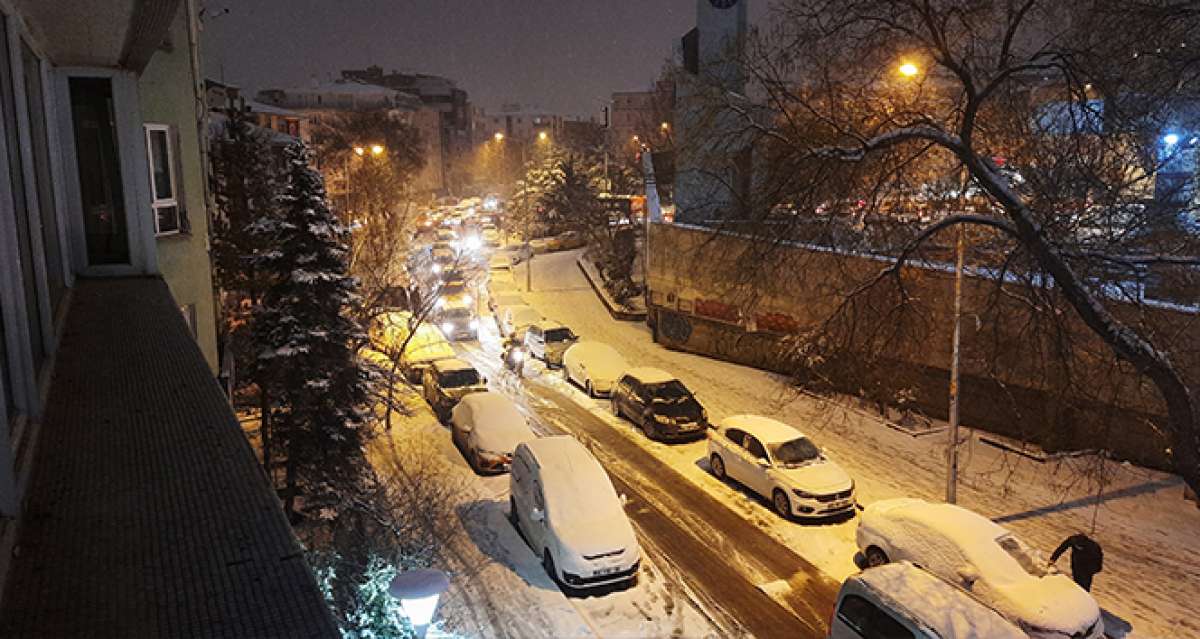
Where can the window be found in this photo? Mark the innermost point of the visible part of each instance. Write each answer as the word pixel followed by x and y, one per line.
pixel 735 435
pixel 755 447
pixel 36 105
pixel 164 180
pixel 868 620
pixel 101 191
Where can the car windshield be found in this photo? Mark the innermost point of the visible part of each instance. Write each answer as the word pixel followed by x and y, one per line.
pixel 672 391
pixel 796 452
pixel 456 379
pixel 559 335
pixel 457 313
pixel 453 288
pixel 1022 553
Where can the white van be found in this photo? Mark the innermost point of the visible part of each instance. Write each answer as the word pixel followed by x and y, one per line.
pixel 901 600
pixel 565 506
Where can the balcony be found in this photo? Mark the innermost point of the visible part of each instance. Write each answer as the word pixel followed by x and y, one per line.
pixel 146 513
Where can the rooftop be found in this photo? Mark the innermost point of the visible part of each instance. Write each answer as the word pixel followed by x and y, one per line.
pixel 147 512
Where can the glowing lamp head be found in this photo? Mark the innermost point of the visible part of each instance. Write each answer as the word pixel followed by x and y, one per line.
pixel 908 69
pixel 499 137
pixel 542 136
pixel 376 149
pixel 1170 139
pixel 418 592
pixel 447 327
pixel 358 150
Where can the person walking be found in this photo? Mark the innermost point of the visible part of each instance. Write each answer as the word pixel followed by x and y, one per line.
pixel 1087 558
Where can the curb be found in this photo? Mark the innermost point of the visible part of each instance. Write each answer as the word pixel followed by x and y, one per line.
pixel 626 316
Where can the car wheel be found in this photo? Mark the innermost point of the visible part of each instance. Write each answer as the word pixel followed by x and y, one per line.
pixel 783 506
pixel 717 466
pixel 566 374
pixel 875 557
pixel 616 409
pixel 548 564
pixel 650 428
pixel 476 462
pixel 590 391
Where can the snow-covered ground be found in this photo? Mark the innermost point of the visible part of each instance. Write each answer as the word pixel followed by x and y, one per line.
pixel 1150 535
pixel 498 586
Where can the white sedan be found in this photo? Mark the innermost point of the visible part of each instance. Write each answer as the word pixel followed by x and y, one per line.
pixel 487 428
pixel 781 464
pixel 593 365
pixel 515 319
pixel 983 558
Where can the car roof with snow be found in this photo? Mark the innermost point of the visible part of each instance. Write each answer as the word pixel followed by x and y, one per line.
pixel 548 324
pixel 946 609
pixel 450 364
pixel 767 430
pixel 962 526
pixel 566 466
pixel 647 375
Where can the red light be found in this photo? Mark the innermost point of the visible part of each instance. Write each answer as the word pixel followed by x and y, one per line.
pixel 999 161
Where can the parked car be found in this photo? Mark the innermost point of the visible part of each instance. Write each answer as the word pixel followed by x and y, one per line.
pixel 593 365
pixel 984 559
pixel 659 404
pixel 446 381
pixel 491 237
pixel 516 319
pixel 565 506
pixel 547 340
pixel 902 600
pixel 781 464
pixel 497 285
pixel 390 331
pixel 487 427
pixel 500 263
pixel 445 234
pixel 498 302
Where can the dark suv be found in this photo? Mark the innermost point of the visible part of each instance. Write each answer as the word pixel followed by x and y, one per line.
pixel 446 381
pixel 660 405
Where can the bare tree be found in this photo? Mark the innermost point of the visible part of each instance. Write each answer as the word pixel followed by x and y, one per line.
pixel 1067 128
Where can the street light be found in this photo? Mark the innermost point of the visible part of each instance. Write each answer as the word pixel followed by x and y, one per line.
pixel 664 126
pixel 418 592
pixel 542 137
pixel 358 150
pixel 376 149
pixel 499 136
pixel 908 69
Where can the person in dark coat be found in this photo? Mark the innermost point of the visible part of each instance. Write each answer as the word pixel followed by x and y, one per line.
pixel 1087 558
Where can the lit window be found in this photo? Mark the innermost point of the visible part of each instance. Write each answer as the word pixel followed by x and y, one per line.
pixel 164 191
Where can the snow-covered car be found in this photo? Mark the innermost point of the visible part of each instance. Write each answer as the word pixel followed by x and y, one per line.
pixel 498 302
pixel 446 235
pixel 515 319
pixel 982 558
pixel 593 365
pixel 658 403
pixel 491 237
pixel 487 427
pixel 547 340
pixel 446 381
pixel 778 462
pixel 902 600
pixel 391 330
pixel 568 511
pixel 500 263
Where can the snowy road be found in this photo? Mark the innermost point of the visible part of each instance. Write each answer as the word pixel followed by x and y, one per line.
pixel 1151 537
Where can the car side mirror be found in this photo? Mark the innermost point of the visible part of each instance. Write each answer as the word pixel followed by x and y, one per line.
pixel 762 463
pixel 969 575
pixel 537 514
pixel 624 499
pixel 466 428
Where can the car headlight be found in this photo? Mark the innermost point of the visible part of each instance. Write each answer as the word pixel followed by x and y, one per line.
pixel 474 324
pixel 803 494
pixel 518 355
pixel 467 299
pixel 441 303
pixel 662 419
pixel 447 326
pixel 437 268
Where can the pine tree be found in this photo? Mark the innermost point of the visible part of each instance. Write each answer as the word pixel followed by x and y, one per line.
pixel 306 334
pixel 243 186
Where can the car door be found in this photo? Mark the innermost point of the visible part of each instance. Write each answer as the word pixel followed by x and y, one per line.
pixel 462 421
pixel 729 447
pixel 618 393
pixel 537 529
pixel 756 476
pixel 635 400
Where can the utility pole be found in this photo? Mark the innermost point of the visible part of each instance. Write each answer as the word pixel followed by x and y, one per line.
pixel 952 450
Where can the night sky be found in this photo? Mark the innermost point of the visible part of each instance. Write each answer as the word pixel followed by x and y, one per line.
pixel 562 55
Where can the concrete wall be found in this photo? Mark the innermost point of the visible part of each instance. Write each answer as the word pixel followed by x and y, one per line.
pixel 752 301
pixel 168 96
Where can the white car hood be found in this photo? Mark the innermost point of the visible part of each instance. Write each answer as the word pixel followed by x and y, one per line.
pixel 593 538
pixel 819 477
pixel 1053 602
